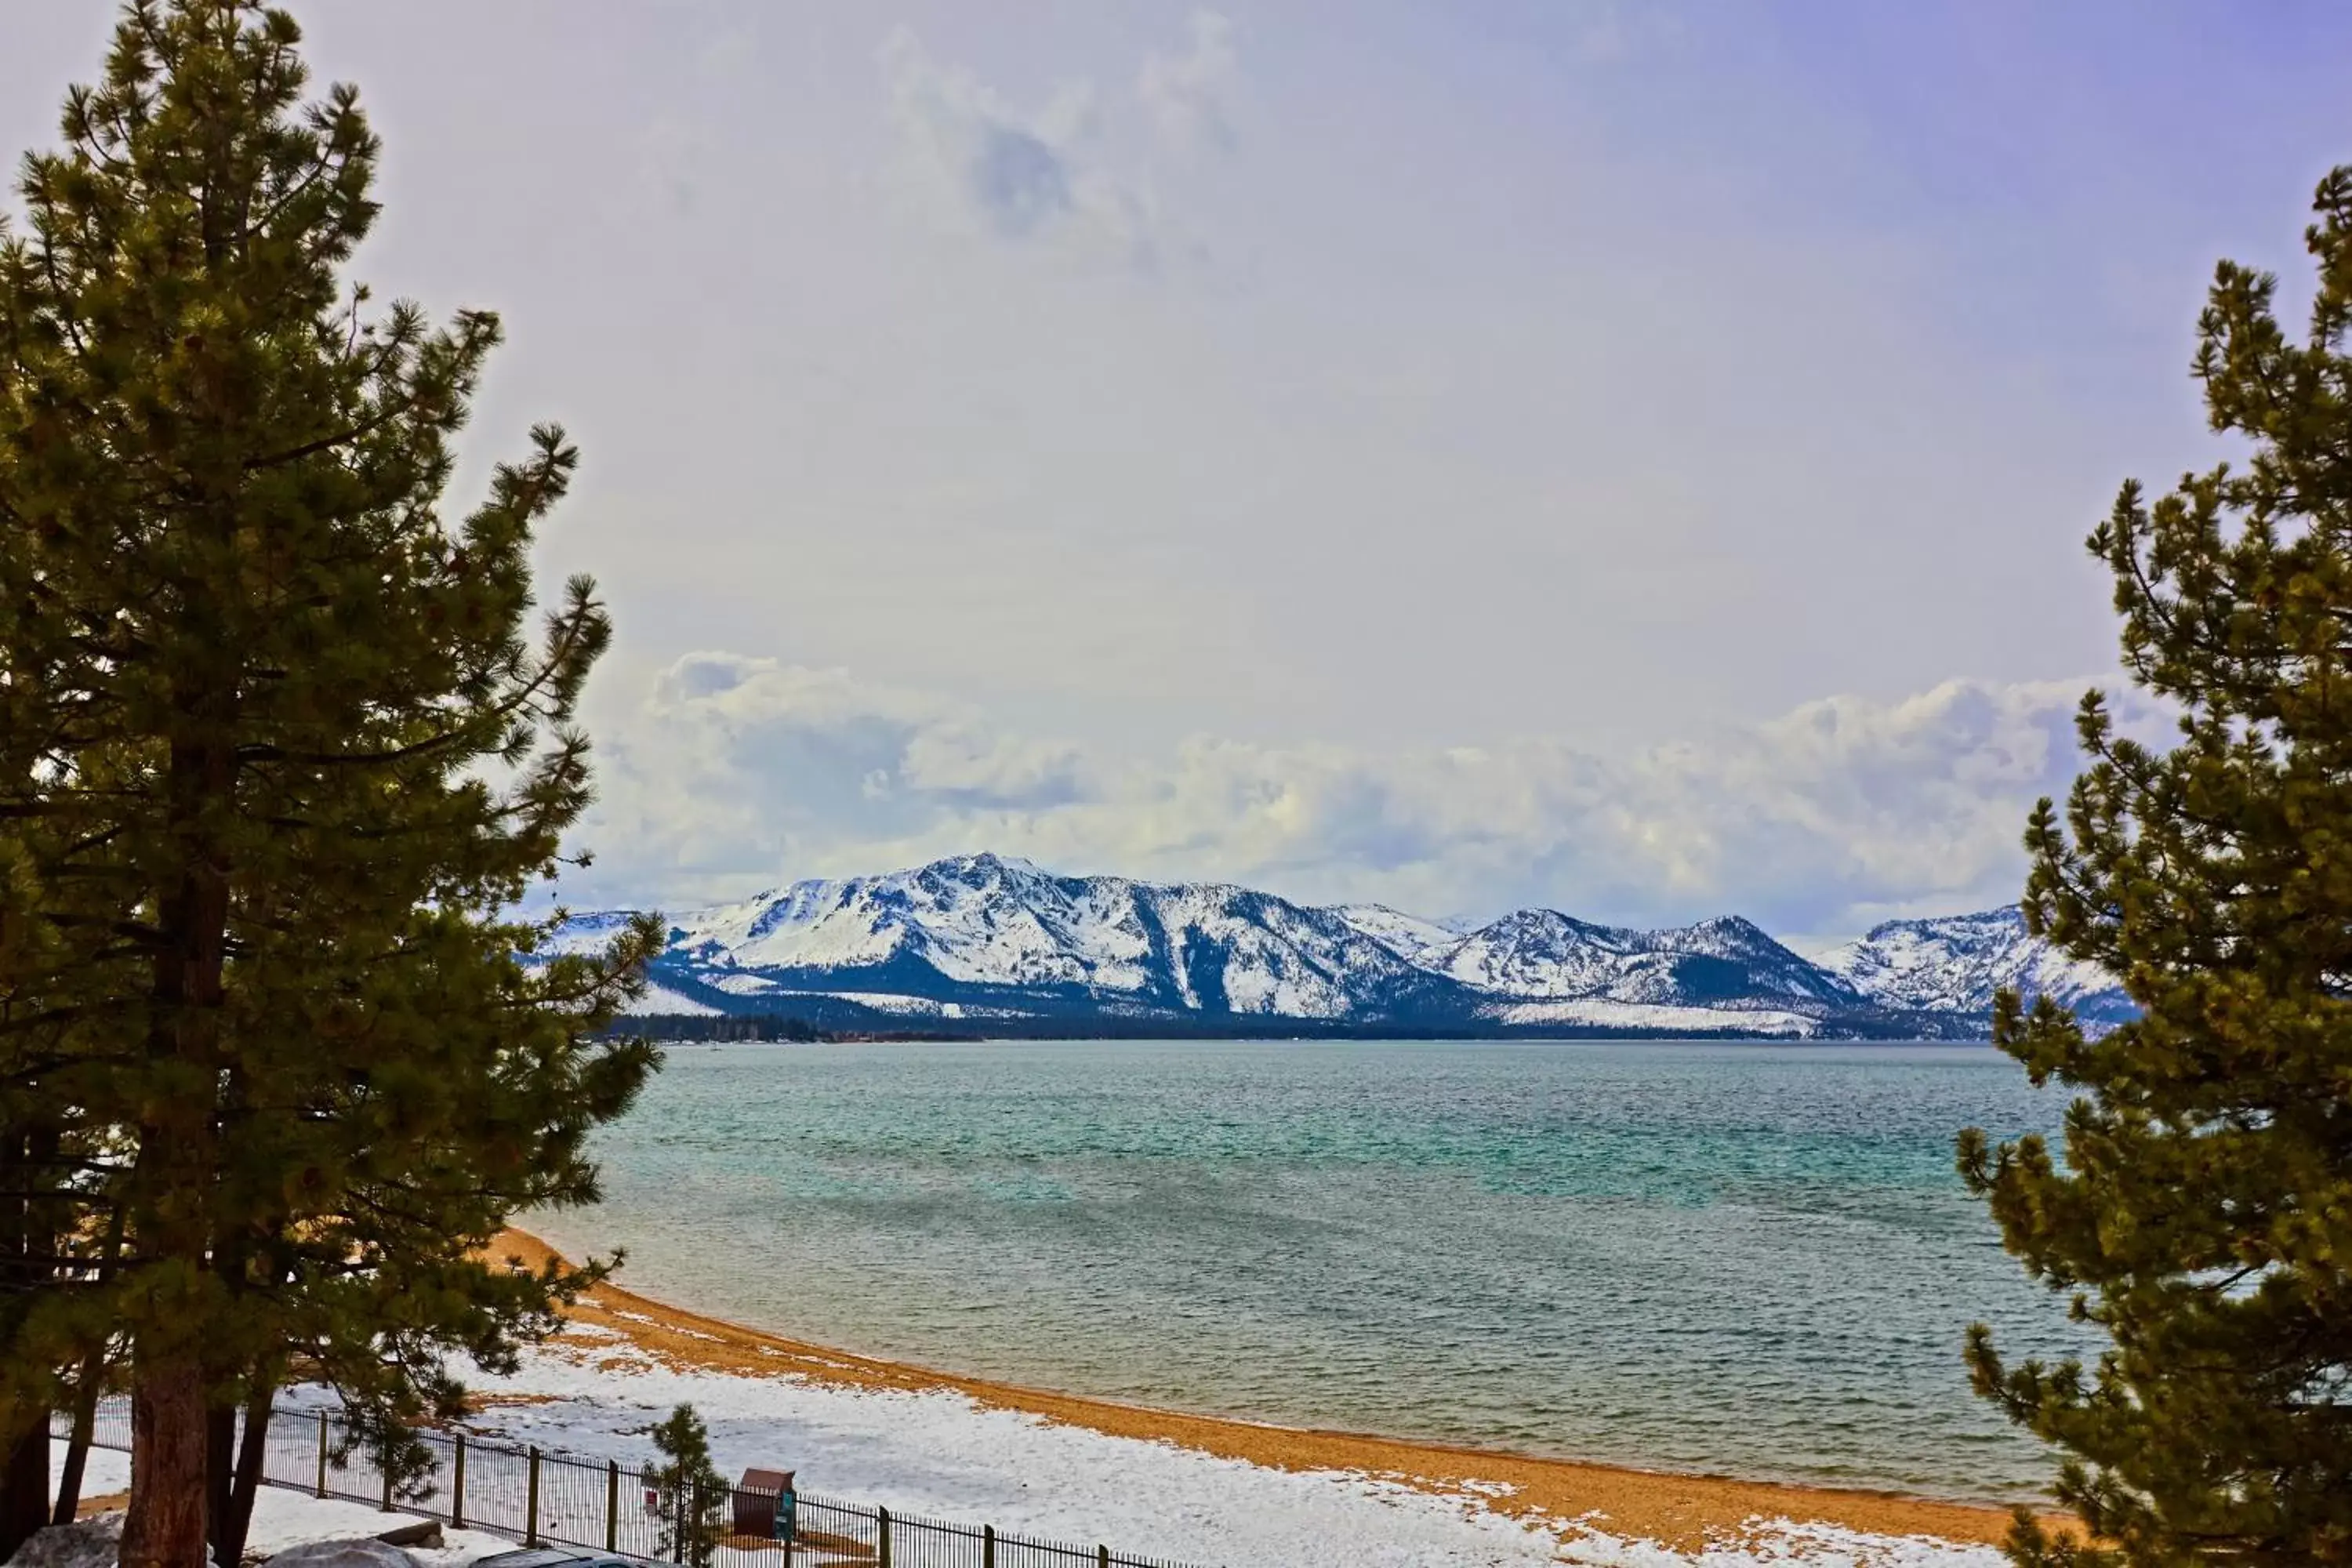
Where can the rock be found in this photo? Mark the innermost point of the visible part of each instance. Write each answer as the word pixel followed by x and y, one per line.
pixel 94 1542
pixel 425 1532
pixel 357 1552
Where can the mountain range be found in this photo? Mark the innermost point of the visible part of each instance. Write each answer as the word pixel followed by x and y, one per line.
pixel 994 945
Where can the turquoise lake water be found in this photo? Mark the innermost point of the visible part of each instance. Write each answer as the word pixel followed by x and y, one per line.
pixel 1744 1259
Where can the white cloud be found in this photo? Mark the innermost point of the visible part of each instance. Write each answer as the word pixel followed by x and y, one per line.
pixel 739 772
pixel 1050 177
pixel 1021 177
pixel 1189 96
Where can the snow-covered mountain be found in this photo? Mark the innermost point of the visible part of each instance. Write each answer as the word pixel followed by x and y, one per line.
pixel 1954 963
pixel 981 938
pixel 1410 937
pixel 1542 953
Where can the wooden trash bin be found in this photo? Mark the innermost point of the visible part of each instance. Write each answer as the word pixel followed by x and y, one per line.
pixel 763 1505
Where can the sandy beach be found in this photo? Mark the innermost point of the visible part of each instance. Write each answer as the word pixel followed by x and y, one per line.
pixel 1683 1514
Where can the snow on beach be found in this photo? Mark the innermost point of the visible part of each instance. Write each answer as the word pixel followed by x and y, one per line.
pixel 943 1453
pixel 865 1432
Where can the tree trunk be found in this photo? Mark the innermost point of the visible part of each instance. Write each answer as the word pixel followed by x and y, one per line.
pixel 25 1487
pixel 178 1161
pixel 249 1462
pixel 85 1426
pixel 220 1477
pixel 166 1525
pixel 230 1259
pixel 88 1388
pixel 27 1445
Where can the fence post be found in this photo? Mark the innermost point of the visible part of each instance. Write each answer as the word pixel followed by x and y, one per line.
pixel 1102 1557
pixel 611 1505
pixel 457 1486
pixel 882 1517
pixel 530 1503
pixel 387 1486
pixel 988 1546
pixel 322 1453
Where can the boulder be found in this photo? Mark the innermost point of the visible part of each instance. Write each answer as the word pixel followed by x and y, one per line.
pixel 425 1532
pixel 93 1542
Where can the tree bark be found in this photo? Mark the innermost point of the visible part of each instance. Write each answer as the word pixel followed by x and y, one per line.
pixel 220 1477
pixel 85 1426
pixel 25 1488
pixel 250 1461
pixel 178 1163
pixel 166 1525
pixel 88 1388
pixel 230 1260
pixel 28 1163
pixel 16 1241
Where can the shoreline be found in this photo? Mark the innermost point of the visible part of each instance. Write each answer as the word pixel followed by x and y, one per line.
pixel 1678 1512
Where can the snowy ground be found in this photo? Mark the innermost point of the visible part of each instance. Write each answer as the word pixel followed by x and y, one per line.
pixel 940 1454
pixel 103 1473
pixel 283 1519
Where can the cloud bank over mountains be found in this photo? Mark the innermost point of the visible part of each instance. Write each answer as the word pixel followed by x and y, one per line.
pixel 1249 416
pixel 736 773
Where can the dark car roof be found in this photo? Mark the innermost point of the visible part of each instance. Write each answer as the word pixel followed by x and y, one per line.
pixel 552 1557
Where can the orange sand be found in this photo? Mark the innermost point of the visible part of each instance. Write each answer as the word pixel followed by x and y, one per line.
pixel 1682 1511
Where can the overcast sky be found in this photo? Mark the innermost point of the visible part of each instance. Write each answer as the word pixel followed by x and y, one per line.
pixel 1631 457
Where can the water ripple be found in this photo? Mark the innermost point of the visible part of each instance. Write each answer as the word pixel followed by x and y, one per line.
pixel 1744 1259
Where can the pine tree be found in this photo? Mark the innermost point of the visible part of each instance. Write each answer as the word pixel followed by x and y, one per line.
pixel 45 1219
pixel 690 1492
pixel 2201 1219
pixel 276 754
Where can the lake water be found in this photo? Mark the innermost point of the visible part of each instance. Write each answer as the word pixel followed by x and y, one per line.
pixel 1747 1259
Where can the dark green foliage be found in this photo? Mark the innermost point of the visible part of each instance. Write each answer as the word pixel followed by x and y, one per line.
pixel 278 752
pixel 2202 1217
pixel 695 1497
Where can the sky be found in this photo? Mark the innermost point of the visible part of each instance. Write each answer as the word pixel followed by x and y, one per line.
pixel 1627 458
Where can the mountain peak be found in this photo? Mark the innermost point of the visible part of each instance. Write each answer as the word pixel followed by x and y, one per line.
pixel 1732 925
pixel 987 863
pixel 984 935
pixel 1955 962
pixel 2008 917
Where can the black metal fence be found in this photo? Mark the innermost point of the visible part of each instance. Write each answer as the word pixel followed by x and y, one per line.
pixel 550 1499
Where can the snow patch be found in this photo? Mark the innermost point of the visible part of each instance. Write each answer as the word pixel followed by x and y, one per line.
pixel 1600 1013
pixel 1785 1543
pixel 742 985
pixel 940 1453
pixel 659 998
